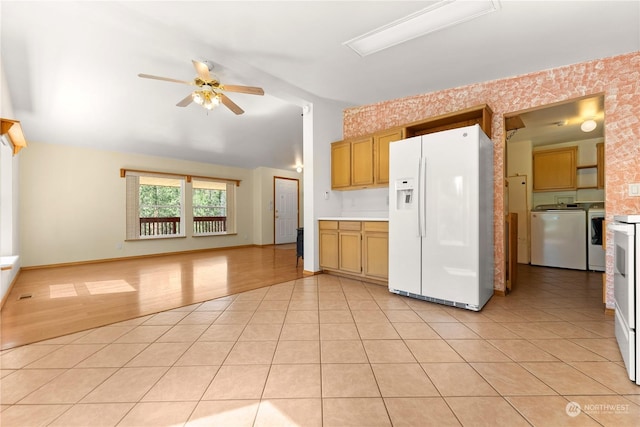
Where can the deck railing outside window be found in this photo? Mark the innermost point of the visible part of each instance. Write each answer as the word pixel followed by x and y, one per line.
pixel 171 225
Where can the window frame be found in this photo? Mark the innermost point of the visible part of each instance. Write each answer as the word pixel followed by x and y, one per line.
pixel 230 211
pixel 132 184
pixel 133 206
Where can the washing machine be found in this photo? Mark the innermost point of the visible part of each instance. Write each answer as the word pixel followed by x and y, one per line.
pixel 595 237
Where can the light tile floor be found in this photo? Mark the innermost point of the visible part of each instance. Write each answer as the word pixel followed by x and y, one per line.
pixel 336 352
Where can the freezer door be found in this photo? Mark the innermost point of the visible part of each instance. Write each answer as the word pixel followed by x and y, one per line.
pixel 404 233
pixel 450 245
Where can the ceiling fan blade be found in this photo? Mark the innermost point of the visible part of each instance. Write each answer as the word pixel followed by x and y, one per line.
pixel 202 70
pixel 186 101
pixel 166 79
pixel 230 104
pixel 252 90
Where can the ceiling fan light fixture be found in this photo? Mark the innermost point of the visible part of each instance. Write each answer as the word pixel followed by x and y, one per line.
pixel 588 125
pixel 197 97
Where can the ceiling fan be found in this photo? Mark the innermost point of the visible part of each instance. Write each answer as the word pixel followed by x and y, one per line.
pixel 209 90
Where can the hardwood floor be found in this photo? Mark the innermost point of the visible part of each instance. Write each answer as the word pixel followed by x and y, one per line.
pixel 73 298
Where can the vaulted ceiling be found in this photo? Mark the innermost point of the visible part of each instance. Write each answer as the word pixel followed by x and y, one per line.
pixel 72 67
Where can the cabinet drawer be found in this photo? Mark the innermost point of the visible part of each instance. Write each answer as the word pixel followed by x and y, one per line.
pixel 350 225
pixel 328 225
pixel 382 226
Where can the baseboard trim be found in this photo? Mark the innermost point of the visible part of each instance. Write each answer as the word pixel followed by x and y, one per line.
pixel 133 257
pixel 609 311
pixel 308 273
pixel 356 277
pixel 5 297
pixel 499 293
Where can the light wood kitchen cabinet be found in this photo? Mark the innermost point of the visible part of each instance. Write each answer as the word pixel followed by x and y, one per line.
pixel 381 143
pixel 600 151
pixel 355 248
pixel 555 170
pixel 350 246
pixel 375 244
pixel 362 162
pixel 329 244
pixel 340 164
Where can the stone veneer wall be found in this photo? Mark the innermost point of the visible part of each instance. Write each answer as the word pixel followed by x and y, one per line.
pixel 618 78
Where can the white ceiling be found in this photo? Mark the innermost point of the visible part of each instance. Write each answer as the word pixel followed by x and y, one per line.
pixel 72 67
pixel 558 123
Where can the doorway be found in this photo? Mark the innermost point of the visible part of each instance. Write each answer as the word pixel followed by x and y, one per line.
pixel 287 208
pixel 555 126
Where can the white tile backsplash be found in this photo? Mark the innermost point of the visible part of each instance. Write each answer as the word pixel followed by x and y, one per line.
pixel 366 203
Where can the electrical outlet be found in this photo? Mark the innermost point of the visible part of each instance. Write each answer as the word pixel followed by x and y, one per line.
pixel 634 190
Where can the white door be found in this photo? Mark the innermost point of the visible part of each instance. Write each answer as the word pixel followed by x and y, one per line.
pixel 286 214
pixel 518 204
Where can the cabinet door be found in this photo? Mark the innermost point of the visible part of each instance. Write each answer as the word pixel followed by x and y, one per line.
pixel 340 164
pixel 350 251
pixel 329 249
pixel 381 143
pixel 554 169
pixel 376 255
pixel 600 150
pixel 362 161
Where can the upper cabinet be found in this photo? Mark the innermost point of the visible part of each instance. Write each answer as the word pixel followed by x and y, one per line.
pixel 479 115
pixel 381 143
pixel 340 165
pixel 570 168
pixel 555 170
pixel 364 162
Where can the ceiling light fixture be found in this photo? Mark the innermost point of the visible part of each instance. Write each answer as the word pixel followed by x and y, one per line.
pixel 206 97
pixel 441 15
pixel 588 125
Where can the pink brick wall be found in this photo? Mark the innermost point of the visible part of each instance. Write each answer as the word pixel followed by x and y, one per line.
pixel 618 78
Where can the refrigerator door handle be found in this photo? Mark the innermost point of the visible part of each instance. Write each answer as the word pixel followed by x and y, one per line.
pixel 419 197
pixel 422 202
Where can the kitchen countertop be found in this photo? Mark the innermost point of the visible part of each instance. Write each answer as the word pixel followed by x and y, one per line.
pixel 351 218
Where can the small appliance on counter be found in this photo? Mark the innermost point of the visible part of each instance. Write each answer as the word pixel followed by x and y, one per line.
pixel 626 289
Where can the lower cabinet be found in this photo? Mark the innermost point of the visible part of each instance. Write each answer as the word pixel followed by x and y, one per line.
pixel 356 248
pixel 375 247
pixel 329 244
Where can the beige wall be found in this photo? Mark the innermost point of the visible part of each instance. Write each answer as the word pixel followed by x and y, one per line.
pixel 72 205
pixel 615 77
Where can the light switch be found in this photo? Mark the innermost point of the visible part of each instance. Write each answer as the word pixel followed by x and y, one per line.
pixel 634 190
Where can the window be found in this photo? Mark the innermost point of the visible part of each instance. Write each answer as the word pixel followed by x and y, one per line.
pixel 155 206
pixel 213 207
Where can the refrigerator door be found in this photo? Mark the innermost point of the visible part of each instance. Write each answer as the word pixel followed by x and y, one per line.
pixel 404 227
pixel 450 245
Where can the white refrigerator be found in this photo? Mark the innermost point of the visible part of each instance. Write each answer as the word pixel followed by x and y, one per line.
pixel 441 217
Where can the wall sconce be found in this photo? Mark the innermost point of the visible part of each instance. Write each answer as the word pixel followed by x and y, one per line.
pixel 588 125
pixel 11 130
